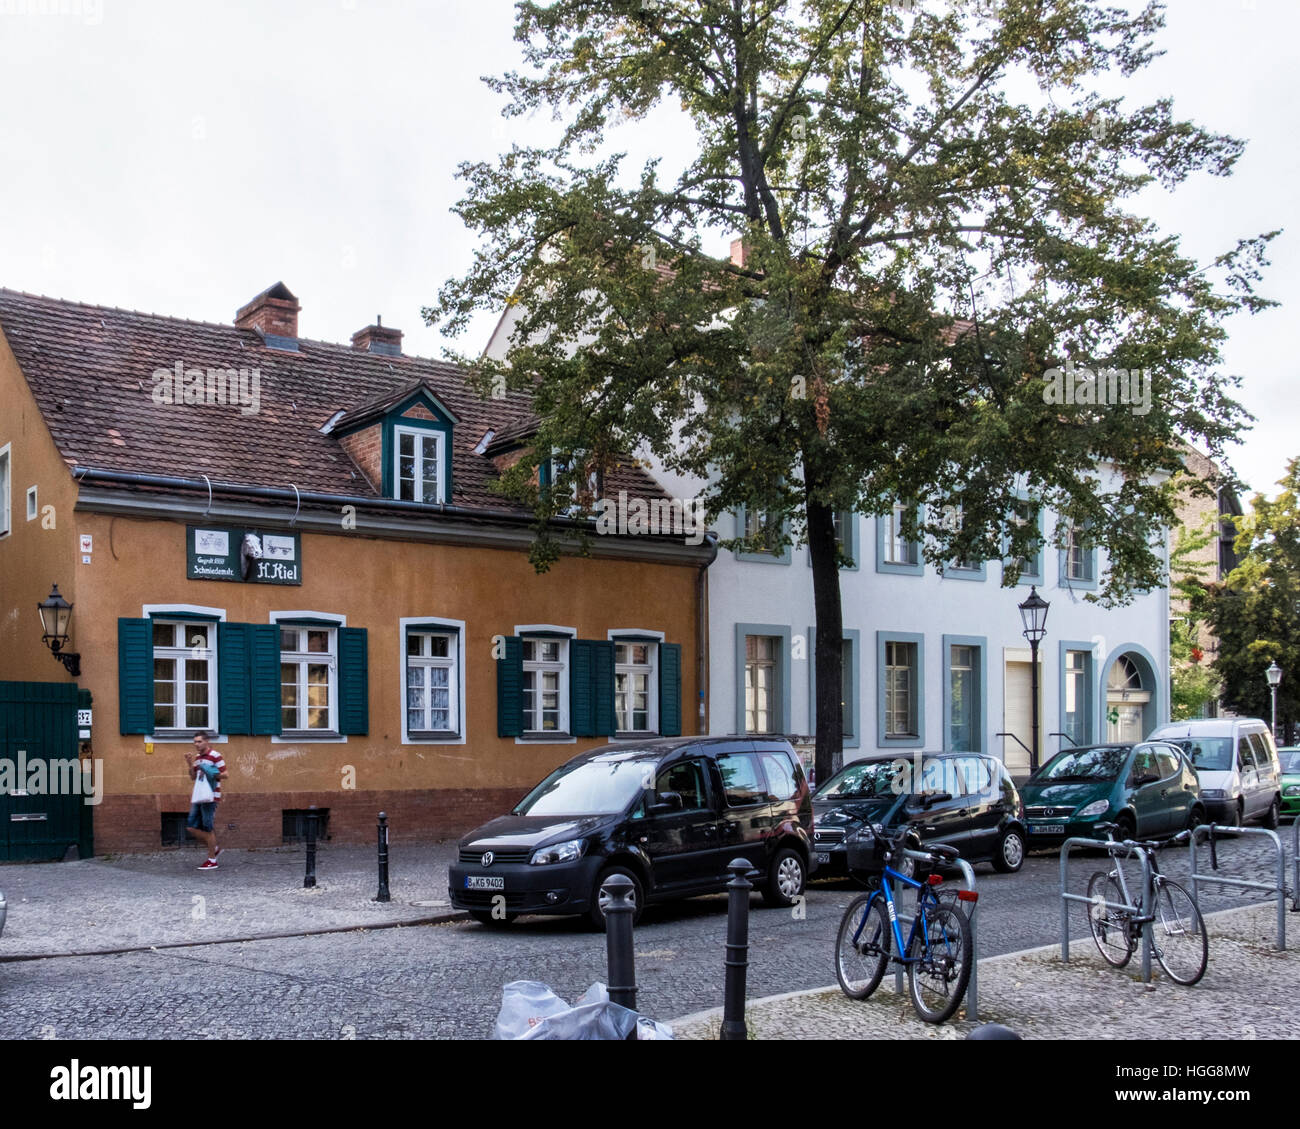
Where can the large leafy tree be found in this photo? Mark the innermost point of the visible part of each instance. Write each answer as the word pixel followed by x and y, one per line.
pixel 934 202
pixel 1255 611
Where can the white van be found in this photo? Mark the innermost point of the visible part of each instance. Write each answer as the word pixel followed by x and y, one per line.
pixel 1236 761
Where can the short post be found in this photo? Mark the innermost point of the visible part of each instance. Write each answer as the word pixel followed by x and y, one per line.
pixel 383 895
pixel 618 940
pixel 310 879
pixel 733 1000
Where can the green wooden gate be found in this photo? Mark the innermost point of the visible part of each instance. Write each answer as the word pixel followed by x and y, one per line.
pixel 42 790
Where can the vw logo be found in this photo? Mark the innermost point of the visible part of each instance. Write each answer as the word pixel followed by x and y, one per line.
pixel 488 856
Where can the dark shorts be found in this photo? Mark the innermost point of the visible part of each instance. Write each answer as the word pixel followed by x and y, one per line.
pixel 202 816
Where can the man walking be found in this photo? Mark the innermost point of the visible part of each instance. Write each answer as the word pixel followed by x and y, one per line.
pixel 207 770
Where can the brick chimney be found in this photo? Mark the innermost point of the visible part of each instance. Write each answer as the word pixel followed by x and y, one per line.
pixel 378 338
pixel 739 252
pixel 275 313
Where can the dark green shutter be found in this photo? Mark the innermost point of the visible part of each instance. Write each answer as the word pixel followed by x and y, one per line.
pixel 510 688
pixel 354 681
pixel 264 678
pixel 234 687
pixel 602 690
pixel 670 689
pixel 582 702
pixel 135 675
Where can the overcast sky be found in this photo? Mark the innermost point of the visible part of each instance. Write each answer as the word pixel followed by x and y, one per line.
pixel 179 158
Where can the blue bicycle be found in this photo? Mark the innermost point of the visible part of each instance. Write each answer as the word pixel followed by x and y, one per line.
pixel 937 953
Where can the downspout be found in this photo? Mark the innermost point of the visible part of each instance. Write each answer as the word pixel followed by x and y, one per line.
pixel 702 632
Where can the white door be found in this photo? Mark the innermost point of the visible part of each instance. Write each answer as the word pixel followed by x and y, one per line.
pixel 1017 685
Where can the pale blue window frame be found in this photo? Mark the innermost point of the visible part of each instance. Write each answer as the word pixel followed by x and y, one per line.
pixel 1031 575
pixel 1091 701
pixel 1064 580
pixel 980 644
pixel 782 632
pixel 782 558
pixel 909 742
pixel 885 565
pixel 850 542
pixel 853 637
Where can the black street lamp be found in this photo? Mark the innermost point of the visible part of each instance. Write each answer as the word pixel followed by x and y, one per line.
pixel 1033 613
pixel 56 614
pixel 1274 676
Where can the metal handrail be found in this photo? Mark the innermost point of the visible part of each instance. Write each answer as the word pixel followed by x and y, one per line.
pixel 1278 889
pixel 1018 741
pixel 972 985
pixel 1147 893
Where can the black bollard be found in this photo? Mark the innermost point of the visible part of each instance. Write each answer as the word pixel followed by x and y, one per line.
pixel 383 895
pixel 310 879
pixel 618 940
pixel 993 1031
pixel 733 1000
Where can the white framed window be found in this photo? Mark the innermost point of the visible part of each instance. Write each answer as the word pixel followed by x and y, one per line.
pixel 636 690
pixel 898 550
pixel 32 507
pixel 184 676
pixel 900 689
pixel 308 678
pixel 584 490
pixel 5 475
pixel 432 682
pixel 418 473
pixel 546 685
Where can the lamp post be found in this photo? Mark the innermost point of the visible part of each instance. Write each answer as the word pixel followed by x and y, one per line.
pixel 56 613
pixel 1033 614
pixel 1274 676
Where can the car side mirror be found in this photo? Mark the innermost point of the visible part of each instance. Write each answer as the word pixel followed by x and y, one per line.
pixel 667 803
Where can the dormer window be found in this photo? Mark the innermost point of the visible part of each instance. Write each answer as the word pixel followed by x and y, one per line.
pixel 418 472
pixel 583 492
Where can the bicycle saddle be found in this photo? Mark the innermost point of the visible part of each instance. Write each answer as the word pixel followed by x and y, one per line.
pixel 943 851
pixel 1104 827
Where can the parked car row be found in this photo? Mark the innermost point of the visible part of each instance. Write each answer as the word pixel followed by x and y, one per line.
pixel 671 814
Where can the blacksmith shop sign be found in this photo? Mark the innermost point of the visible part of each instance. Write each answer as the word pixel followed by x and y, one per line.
pixel 223 553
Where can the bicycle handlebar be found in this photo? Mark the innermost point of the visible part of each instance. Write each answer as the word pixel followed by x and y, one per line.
pixel 1109 829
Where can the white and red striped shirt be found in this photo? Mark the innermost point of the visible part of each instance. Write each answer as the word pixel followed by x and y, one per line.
pixel 219 761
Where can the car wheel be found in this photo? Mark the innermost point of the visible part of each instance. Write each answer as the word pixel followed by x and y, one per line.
pixel 1195 818
pixel 1274 815
pixel 596 911
pixel 1010 855
pixel 1125 826
pixel 786 877
pixel 484 917
pixel 1237 820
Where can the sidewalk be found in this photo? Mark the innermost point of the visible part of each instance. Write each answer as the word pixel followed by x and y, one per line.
pixel 1249 991
pixel 138 901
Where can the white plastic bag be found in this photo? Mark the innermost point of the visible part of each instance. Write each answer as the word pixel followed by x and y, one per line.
pixel 647 1028
pixel 524 1004
pixel 202 793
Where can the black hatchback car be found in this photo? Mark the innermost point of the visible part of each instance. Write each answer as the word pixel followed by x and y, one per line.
pixel 966 800
pixel 670 814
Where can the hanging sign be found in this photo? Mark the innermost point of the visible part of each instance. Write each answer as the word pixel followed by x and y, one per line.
pixel 242 555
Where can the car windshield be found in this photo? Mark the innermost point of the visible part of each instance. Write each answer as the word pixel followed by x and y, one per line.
pixel 1213 754
pixel 1290 759
pixel 1103 762
pixel 594 787
pixel 862 780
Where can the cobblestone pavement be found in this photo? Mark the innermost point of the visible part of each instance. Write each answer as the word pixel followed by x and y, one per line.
pixel 439 981
pixel 1248 992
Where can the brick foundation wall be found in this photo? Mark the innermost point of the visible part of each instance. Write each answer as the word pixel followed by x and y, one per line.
pixel 126 824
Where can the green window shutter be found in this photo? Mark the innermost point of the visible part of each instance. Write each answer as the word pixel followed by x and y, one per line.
pixel 354 681
pixel 135 675
pixel 234 685
pixel 582 701
pixel 510 688
pixel 264 678
pixel 670 689
pixel 602 690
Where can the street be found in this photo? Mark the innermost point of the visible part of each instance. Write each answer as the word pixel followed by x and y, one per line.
pixel 444 981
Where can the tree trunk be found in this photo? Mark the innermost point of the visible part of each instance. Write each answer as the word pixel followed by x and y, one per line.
pixel 829 654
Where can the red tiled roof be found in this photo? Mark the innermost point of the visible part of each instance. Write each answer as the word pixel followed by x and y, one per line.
pixel 91 370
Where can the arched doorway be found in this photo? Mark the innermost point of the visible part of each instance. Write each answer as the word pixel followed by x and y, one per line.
pixel 1130 689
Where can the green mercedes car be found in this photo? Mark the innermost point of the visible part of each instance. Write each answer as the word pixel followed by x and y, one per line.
pixel 1290 760
pixel 1148 789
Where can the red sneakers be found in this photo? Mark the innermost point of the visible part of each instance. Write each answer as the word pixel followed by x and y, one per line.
pixel 209 865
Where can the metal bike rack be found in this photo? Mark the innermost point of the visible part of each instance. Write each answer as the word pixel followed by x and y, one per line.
pixel 1147 895
pixel 1295 862
pixel 972 985
pixel 1278 889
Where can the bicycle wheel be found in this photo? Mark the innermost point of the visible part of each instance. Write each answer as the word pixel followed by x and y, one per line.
pixel 1109 927
pixel 860 965
pixel 938 974
pixel 1178 934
